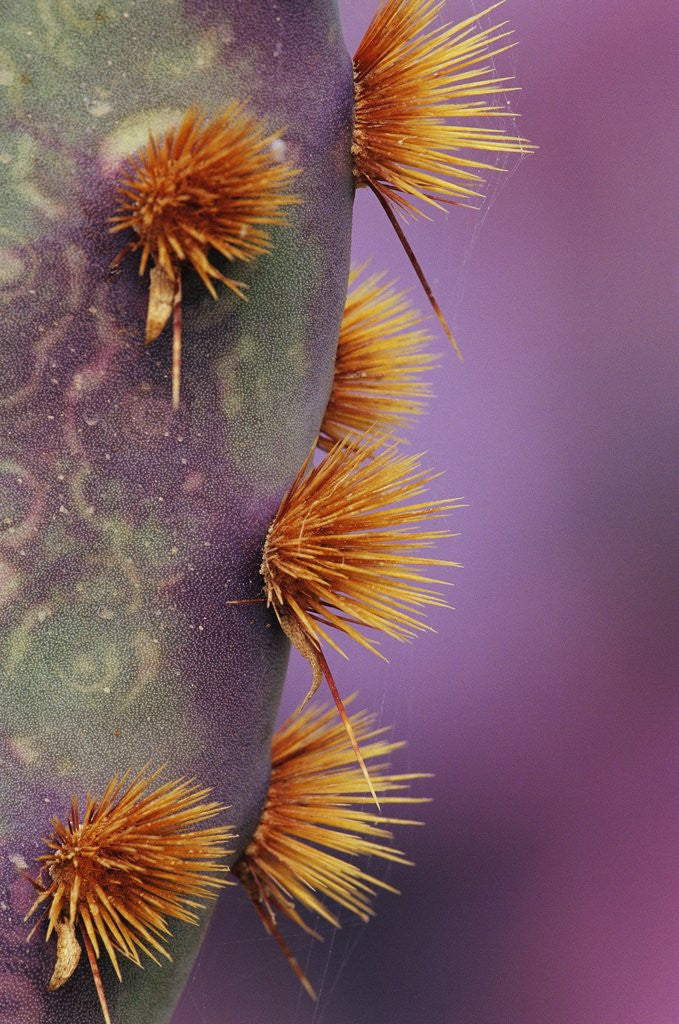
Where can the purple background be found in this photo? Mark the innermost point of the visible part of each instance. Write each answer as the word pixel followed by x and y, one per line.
pixel 545 890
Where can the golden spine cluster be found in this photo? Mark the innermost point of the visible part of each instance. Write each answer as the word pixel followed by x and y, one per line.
pixel 315 824
pixel 419 89
pixel 134 858
pixel 206 184
pixel 381 358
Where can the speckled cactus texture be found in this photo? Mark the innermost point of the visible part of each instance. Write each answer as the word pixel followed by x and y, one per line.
pixel 125 529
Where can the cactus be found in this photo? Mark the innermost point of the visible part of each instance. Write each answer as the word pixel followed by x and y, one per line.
pixel 140 484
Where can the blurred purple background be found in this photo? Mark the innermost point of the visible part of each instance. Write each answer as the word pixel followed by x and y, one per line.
pixel 547 705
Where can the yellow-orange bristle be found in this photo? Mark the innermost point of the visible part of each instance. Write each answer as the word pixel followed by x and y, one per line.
pixel 418 89
pixel 381 356
pixel 134 859
pixel 344 550
pixel 314 824
pixel 207 185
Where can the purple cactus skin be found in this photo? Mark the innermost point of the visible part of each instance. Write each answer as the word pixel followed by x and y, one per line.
pixel 124 528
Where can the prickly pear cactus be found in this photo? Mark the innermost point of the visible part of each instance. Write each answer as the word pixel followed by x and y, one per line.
pixel 126 528
pixel 146 602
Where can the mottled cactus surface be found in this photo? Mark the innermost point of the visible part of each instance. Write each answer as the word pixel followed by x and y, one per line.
pixel 125 528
